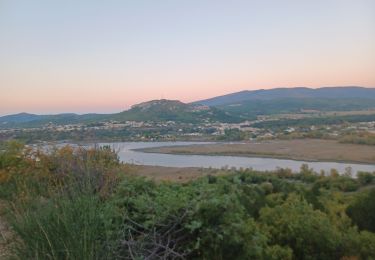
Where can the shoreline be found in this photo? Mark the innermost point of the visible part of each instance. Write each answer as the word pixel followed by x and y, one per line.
pixel 265 156
pixel 278 149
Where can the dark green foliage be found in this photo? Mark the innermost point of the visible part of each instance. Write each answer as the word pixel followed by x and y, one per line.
pixel 308 232
pixel 365 177
pixel 205 219
pixel 366 245
pixel 362 211
pixel 341 183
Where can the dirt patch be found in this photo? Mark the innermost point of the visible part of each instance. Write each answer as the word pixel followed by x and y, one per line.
pixel 301 149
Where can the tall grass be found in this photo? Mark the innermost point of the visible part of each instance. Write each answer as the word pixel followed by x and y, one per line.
pixel 59 208
pixel 67 227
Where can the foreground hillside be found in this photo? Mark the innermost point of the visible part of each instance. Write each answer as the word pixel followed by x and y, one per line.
pixel 84 204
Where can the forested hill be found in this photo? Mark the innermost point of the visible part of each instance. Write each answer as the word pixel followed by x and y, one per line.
pixel 155 110
pixel 291 93
pixel 294 100
pixel 174 110
pixel 32 120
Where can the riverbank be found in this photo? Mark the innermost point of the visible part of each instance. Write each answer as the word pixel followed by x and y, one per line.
pixel 299 149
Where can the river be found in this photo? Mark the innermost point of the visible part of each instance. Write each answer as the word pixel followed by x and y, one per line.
pixel 127 154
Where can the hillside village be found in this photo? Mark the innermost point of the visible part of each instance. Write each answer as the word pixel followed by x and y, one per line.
pixel 172 130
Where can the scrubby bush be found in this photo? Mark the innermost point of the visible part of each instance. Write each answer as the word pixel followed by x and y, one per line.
pixel 341 183
pixel 58 199
pixel 365 178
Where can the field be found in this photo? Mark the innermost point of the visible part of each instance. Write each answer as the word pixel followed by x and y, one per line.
pixel 300 149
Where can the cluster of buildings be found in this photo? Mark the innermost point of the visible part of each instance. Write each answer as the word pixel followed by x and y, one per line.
pixel 169 130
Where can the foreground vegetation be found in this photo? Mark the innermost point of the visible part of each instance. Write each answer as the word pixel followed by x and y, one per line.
pixel 84 204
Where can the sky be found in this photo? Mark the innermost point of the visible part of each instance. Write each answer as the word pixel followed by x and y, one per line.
pixel 104 56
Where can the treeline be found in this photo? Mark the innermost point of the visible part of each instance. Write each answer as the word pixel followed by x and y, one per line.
pixel 85 204
pixel 253 108
pixel 307 122
pixel 359 138
pixel 87 135
pixel 233 134
pixel 106 135
pixel 74 135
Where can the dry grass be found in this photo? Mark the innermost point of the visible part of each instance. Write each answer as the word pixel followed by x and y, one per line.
pixel 301 149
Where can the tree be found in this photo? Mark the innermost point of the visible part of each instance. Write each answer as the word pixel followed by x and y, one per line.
pixel 308 232
pixel 362 211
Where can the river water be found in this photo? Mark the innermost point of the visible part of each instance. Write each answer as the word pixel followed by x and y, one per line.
pixel 127 154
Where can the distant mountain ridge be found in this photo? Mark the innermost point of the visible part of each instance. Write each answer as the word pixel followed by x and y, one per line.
pixel 349 92
pixel 154 110
pixel 231 108
pixel 19 118
pixel 32 120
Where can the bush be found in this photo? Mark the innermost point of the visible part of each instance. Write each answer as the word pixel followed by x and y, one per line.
pixel 307 231
pixel 362 211
pixel 341 183
pixel 365 178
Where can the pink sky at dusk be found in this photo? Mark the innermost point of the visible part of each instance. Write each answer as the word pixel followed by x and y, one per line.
pixel 104 57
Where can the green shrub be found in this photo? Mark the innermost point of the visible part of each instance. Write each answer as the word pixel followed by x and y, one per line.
pixel 307 231
pixel 362 211
pixel 365 178
pixel 341 183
